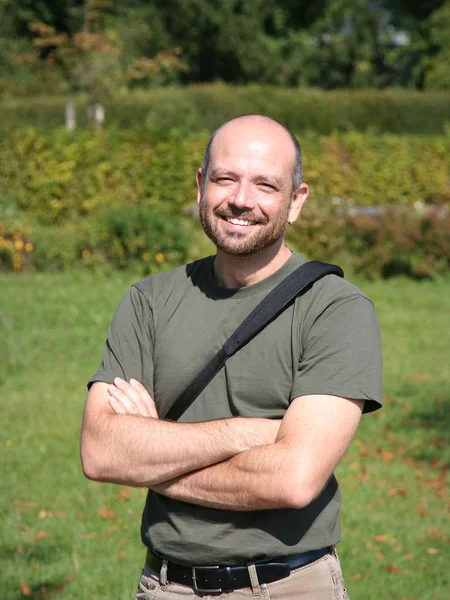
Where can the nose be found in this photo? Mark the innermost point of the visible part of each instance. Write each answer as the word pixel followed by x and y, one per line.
pixel 242 197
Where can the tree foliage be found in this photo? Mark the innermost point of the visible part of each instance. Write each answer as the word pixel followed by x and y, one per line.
pixel 105 45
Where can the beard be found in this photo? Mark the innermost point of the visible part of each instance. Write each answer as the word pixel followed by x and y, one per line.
pixel 264 234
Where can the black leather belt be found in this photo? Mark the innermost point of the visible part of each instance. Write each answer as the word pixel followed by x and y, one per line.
pixel 217 579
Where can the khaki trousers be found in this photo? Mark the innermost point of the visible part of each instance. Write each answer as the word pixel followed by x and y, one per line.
pixel 319 580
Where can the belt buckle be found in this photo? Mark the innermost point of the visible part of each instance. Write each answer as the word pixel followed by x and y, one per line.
pixel 201 590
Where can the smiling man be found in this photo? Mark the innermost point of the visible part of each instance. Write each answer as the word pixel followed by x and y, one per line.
pixel 242 498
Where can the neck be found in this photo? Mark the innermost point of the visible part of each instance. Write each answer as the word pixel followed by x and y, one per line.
pixel 241 271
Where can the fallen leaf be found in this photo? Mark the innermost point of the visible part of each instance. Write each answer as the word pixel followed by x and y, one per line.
pixel 42 535
pixel 422 511
pixel 382 539
pixel 435 534
pixel 43 514
pixel 365 452
pixel 121 554
pixel 25 589
pixel 59 513
pixel 393 569
pixel 398 492
pixel 89 536
pixel 106 513
pixel 420 377
pixel 379 555
pixel 24 504
pixel 432 551
pixel 356 576
pixel 386 455
pixel 124 494
pixel 409 557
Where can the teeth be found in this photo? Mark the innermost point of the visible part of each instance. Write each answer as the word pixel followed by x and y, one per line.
pixel 238 222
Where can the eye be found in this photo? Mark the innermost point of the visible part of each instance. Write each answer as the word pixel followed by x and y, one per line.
pixel 266 186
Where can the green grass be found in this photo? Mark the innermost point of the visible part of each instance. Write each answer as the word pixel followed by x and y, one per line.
pixel 65 537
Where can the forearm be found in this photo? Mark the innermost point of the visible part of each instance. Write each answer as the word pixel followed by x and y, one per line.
pixel 253 480
pixel 144 452
pixel 288 473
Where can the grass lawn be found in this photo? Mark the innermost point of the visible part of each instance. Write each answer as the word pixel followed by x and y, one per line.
pixel 65 537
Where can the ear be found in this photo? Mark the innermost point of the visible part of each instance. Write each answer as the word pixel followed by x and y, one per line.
pixel 297 202
pixel 199 180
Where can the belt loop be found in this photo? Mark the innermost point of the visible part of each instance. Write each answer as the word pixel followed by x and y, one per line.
pixel 163 574
pixel 254 582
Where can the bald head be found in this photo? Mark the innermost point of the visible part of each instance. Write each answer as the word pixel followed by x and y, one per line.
pixel 260 127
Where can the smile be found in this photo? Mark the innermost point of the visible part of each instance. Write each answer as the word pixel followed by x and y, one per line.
pixel 241 222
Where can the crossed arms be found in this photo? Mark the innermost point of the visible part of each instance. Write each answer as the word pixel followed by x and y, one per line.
pixel 234 464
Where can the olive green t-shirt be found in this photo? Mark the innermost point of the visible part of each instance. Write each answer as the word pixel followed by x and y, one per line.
pixel 165 330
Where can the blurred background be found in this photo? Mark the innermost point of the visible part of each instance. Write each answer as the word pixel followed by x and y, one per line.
pixel 105 111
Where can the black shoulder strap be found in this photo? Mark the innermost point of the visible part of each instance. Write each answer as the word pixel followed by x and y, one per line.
pixel 276 301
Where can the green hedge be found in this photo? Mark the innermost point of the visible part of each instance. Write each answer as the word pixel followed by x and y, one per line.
pixel 56 176
pixel 113 197
pixel 203 107
pixel 414 242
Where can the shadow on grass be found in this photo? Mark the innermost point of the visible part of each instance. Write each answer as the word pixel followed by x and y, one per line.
pixel 431 424
pixel 20 586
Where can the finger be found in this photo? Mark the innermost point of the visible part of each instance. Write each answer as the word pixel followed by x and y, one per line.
pixel 146 397
pixel 127 403
pixel 116 406
pixel 136 399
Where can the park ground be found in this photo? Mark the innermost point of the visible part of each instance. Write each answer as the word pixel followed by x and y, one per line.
pixel 67 538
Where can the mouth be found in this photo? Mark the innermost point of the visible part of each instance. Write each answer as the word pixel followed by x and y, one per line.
pixel 240 222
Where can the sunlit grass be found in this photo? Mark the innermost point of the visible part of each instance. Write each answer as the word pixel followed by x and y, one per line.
pixel 78 539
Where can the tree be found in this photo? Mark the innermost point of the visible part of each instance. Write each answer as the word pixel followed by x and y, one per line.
pixel 434 67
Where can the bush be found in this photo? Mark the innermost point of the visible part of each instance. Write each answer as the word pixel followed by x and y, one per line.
pixel 138 236
pixel 116 198
pixel 197 108
pixel 396 242
pixel 56 176
pixel 143 239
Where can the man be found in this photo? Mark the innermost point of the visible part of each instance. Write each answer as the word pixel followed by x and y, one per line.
pixel 242 498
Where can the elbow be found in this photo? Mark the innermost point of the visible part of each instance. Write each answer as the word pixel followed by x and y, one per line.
pixel 298 498
pixel 298 493
pixel 89 468
pixel 89 462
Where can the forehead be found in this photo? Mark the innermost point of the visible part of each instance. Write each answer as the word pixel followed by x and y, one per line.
pixel 253 144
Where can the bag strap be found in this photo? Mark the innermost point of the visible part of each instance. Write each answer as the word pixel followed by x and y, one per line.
pixel 276 301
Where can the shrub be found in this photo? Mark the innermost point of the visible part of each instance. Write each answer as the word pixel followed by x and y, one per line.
pixel 56 176
pixel 196 108
pixel 397 243
pixel 414 243
pixel 145 238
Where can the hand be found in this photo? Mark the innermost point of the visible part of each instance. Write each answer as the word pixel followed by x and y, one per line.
pixel 131 399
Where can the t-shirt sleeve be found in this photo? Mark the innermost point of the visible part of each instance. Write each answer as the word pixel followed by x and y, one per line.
pixel 341 353
pixel 128 351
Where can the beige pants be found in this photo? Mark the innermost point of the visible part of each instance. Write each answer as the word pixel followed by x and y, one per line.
pixel 319 580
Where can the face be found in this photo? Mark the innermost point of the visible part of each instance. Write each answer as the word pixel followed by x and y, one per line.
pixel 246 200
